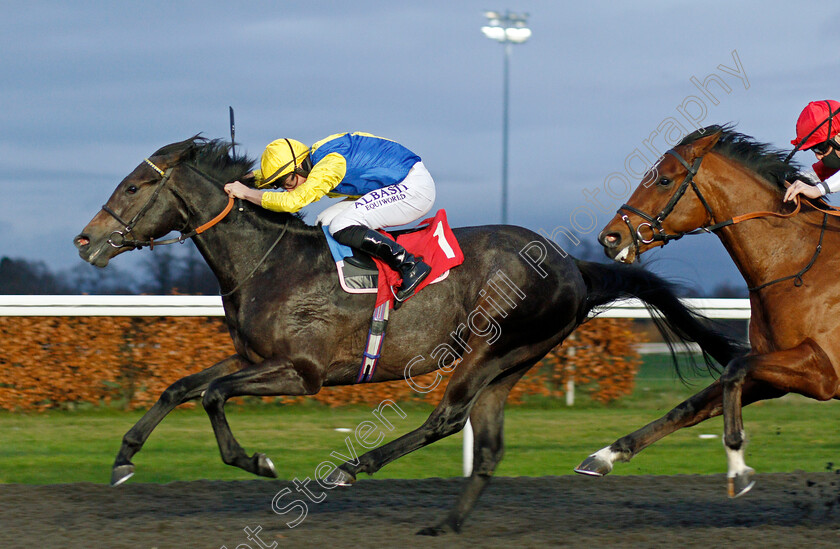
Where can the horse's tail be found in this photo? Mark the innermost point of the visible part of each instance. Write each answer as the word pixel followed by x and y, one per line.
pixel 678 323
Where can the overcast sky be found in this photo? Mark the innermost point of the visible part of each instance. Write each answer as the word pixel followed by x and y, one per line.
pixel 90 88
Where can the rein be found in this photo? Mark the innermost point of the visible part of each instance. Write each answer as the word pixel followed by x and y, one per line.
pixel 123 242
pixel 260 262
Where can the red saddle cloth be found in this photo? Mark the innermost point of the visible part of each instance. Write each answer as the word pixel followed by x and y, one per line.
pixel 434 243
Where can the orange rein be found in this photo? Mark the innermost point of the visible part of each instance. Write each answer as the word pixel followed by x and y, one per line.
pixel 218 218
pixel 754 215
pixel 198 230
pixel 797 278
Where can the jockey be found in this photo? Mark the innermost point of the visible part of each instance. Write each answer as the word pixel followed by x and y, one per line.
pixel 384 185
pixel 816 130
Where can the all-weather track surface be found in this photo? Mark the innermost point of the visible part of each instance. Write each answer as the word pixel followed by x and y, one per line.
pixel 783 510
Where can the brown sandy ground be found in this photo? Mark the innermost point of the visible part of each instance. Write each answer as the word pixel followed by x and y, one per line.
pixel 783 510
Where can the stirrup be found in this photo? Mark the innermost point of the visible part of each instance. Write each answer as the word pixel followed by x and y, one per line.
pixel 412 289
pixel 396 299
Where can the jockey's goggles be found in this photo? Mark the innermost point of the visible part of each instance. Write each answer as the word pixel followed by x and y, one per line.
pixel 824 147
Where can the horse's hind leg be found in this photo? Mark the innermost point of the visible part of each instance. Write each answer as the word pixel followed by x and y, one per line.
pixel 183 390
pixel 804 369
pixel 706 404
pixel 268 378
pixel 487 419
pixel 448 417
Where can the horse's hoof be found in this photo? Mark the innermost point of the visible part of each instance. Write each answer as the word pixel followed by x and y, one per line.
pixel 340 477
pixel 594 466
pixel 265 467
pixel 741 483
pixel 121 473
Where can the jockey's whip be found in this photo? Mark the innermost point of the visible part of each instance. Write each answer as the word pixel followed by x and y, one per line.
pixel 232 133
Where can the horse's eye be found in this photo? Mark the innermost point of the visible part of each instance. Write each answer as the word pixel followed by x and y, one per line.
pixel 131 189
pixel 664 181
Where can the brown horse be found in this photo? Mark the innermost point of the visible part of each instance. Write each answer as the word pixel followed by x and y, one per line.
pixel 721 181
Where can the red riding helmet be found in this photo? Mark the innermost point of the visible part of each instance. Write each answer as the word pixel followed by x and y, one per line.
pixel 814 127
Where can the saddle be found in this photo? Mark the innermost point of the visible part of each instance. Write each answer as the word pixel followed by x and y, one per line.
pixel 359 273
pixel 433 240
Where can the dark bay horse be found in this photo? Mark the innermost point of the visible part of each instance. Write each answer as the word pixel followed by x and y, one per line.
pixel 722 181
pixel 295 330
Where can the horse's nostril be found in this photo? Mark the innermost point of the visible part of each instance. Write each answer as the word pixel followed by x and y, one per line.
pixel 612 239
pixel 81 241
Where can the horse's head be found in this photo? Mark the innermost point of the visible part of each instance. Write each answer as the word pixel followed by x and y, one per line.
pixel 143 207
pixel 666 205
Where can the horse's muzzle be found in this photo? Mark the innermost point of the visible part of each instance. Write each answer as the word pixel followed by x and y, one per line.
pixel 611 241
pixel 92 254
pixel 616 247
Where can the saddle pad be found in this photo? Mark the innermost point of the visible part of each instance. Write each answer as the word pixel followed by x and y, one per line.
pixel 353 278
pixel 435 243
pixel 432 240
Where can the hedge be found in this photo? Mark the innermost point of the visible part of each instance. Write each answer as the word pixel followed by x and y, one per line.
pixel 61 362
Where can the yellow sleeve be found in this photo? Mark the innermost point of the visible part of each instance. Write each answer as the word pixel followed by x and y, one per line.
pixel 324 177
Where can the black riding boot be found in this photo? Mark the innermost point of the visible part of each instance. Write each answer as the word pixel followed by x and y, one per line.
pixel 412 270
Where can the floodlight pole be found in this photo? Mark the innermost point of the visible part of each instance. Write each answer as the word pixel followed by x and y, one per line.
pixel 505 125
pixel 507 29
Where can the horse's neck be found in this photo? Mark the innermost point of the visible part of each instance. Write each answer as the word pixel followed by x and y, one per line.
pixel 765 248
pixel 237 246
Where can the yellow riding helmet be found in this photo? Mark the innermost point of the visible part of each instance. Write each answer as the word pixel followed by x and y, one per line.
pixel 281 157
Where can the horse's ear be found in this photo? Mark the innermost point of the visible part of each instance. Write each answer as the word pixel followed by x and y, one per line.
pixel 180 151
pixel 701 146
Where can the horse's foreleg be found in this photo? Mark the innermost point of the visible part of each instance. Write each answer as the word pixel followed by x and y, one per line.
pixel 271 377
pixel 706 404
pixel 804 369
pixel 487 419
pixel 183 390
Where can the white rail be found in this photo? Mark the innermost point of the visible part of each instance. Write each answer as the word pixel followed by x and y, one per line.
pixel 111 305
pixel 209 305
pixel 719 308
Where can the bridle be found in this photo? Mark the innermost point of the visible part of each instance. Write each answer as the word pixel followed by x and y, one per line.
pixel 151 243
pixel 654 224
pixel 118 239
pixel 658 233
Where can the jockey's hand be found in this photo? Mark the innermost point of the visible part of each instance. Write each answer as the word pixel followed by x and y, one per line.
pixel 239 190
pixel 800 187
pixel 236 189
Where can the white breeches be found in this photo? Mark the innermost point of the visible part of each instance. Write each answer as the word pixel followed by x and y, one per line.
pixel 391 206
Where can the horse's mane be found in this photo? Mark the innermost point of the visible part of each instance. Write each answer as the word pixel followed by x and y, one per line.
pixel 761 158
pixel 216 158
pixel 212 156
